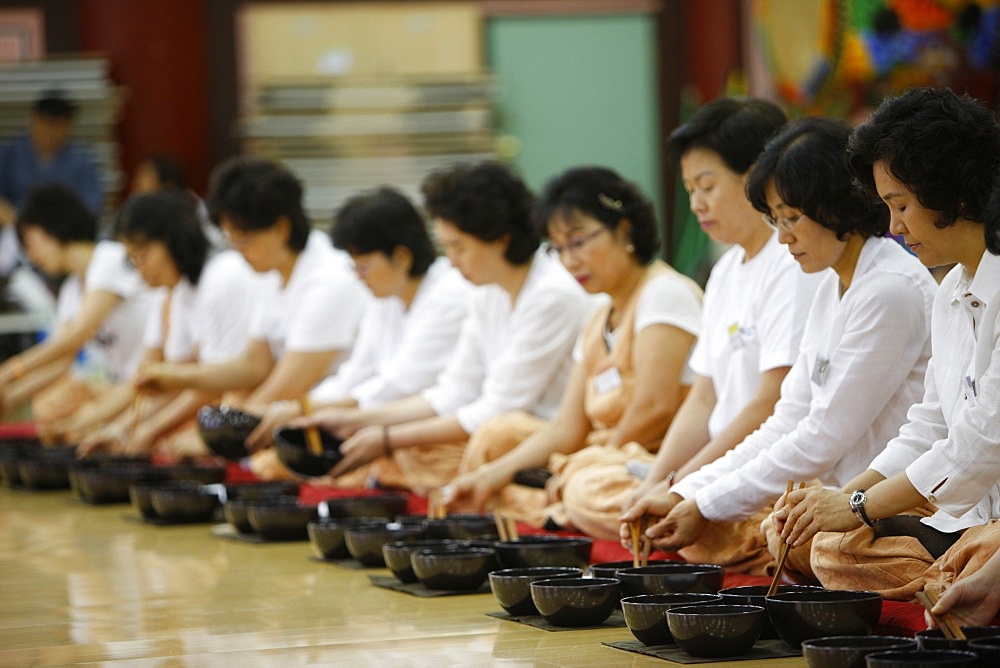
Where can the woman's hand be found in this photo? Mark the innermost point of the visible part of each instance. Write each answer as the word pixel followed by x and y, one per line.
pixel 472 491
pixel 972 601
pixel 341 422
pixel 158 377
pixel 363 447
pixel 656 505
pixel 680 528
pixel 276 414
pixel 808 511
pixel 109 438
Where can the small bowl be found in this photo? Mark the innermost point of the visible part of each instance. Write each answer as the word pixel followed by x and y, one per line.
pixel 225 429
pixel 183 502
pixel 576 601
pixel 326 535
pixel 11 453
pixel 934 638
pixel 371 505
pixel 850 651
pixel 140 495
pixel 462 526
pixel 397 554
pixel 206 474
pixel 365 542
pixel 109 483
pixel 935 658
pixel 674 578
pixel 716 631
pixel 988 650
pixel 46 468
pixel 261 490
pixel 756 595
pixel 543 550
pixel 801 616
pixel 280 521
pixel 609 569
pixel 646 615
pixel 512 586
pixel 293 451
pixel 451 569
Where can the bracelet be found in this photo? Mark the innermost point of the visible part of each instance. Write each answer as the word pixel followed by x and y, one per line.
pixel 386 446
pixel 670 479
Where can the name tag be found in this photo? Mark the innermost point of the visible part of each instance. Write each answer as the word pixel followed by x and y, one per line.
pixel 607 380
pixel 740 336
pixel 821 369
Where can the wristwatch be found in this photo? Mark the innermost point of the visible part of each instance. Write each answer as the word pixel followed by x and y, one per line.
pixel 858 501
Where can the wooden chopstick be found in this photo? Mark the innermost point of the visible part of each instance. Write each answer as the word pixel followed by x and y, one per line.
pixel 635 531
pixel 783 553
pixel 313 442
pixel 647 543
pixel 435 505
pixel 506 527
pixel 949 627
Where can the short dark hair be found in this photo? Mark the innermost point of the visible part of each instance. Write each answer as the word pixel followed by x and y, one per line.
pixel 253 193
pixel 54 104
pixel 807 164
pixel 169 171
pixel 602 194
pixel 488 201
pixel 735 129
pixel 170 218
pixel 380 221
pixel 943 147
pixel 58 211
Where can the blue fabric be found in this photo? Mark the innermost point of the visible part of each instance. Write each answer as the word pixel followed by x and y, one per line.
pixel 73 166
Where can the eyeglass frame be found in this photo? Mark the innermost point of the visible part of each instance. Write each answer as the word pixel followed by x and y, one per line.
pixel 779 223
pixel 574 245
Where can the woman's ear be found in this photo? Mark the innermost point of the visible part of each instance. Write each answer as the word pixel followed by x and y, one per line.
pixel 284 228
pixel 402 257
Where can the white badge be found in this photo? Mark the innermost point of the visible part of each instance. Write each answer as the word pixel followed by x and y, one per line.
pixel 820 370
pixel 735 336
pixel 607 380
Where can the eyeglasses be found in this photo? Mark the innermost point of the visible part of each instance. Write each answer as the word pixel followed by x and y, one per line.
pixel 783 224
pixel 574 245
pixel 239 238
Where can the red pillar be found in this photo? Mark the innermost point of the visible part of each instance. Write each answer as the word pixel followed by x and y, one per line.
pixel 712 44
pixel 158 53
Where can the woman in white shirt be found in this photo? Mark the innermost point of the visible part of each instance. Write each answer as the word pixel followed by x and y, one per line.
pixel 201 313
pixel 101 309
pixel 410 329
pixel 932 157
pixel 514 349
pixel 630 363
pixel 308 303
pixel 862 359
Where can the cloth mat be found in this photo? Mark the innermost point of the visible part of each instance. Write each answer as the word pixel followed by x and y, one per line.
pixel 615 621
pixel 417 589
pixel 764 649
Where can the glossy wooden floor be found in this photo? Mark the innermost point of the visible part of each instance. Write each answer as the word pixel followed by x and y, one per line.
pixel 82 584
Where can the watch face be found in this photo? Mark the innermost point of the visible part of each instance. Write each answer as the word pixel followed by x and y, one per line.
pixel 857 498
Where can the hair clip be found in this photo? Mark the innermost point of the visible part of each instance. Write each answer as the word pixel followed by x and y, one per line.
pixel 608 203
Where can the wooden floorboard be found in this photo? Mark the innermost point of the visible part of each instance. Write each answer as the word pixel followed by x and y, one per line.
pixel 84 584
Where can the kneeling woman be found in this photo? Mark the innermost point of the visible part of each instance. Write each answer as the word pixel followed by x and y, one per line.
pixel 514 349
pixel 630 368
pixel 201 314
pixel 861 363
pixel 101 310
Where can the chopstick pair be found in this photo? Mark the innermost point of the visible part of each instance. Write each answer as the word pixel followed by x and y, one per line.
pixel 949 627
pixel 436 509
pixel 783 553
pixel 506 527
pixel 313 441
pixel 138 406
pixel 641 544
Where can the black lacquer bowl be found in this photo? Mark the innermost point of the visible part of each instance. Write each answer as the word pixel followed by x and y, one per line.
pixel 327 535
pixel 755 595
pixel 225 429
pixel 184 502
pixel 280 521
pixel 716 631
pixel 542 550
pixel 293 451
pixel 673 578
pixel 850 651
pixel 512 586
pixel 372 505
pixel 365 542
pixel 576 601
pixel 397 554
pixel 801 616
pixel 448 568
pixel 646 615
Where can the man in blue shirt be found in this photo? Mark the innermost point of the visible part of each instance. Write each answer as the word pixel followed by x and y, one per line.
pixel 44 154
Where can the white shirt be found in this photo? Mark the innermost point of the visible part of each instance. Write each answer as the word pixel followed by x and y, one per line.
pixel 401 351
pixel 319 309
pixel 668 299
pixel 514 356
pixel 754 313
pixel 950 445
pixel 118 341
pixel 860 367
pixel 210 321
